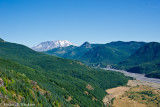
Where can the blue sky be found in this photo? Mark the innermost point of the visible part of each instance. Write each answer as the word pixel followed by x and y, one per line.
pixel 30 22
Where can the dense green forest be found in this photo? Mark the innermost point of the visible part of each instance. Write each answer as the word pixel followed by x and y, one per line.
pixel 69 81
pixel 98 54
pixel 145 60
pixel 103 55
pixel 20 89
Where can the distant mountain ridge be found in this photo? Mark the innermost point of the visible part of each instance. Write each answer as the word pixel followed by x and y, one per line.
pixel 48 45
pixel 86 45
pixel 98 54
pixel 145 60
pixel 148 52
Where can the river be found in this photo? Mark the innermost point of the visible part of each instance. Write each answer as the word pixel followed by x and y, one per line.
pixel 137 76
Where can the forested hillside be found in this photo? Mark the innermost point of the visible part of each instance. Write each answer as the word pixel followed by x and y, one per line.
pixel 103 56
pixel 146 60
pixel 69 81
pixel 16 87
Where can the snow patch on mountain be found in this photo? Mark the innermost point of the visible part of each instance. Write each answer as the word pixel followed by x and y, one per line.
pixel 48 45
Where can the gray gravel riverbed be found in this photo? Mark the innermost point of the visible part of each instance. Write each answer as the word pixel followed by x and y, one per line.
pixel 137 76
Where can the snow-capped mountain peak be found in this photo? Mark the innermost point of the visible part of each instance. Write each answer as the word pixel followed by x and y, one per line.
pixel 48 45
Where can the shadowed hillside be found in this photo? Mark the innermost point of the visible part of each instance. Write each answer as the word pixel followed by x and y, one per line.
pixel 146 60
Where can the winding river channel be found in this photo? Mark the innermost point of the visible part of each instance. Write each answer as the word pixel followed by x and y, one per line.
pixel 137 76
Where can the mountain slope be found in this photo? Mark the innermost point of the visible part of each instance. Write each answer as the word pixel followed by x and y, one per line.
pixel 66 79
pixel 16 87
pixel 78 52
pixel 1 40
pixel 61 51
pixel 44 46
pixel 98 54
pixel 145 60
pixel 103 55
pixel 71 52
pixel 128 47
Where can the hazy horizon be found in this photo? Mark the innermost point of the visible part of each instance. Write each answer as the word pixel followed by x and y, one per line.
pixel 82 42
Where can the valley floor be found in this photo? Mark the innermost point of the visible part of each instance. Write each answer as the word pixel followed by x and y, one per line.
pixel 136 94
pixel 137 76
